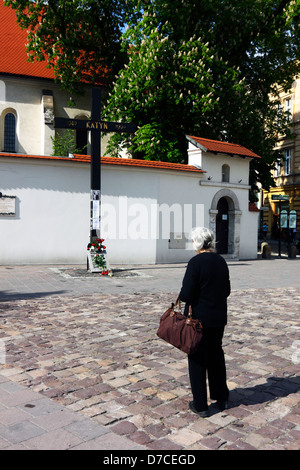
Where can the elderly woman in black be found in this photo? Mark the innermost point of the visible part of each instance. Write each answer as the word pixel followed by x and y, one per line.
pixel 206 286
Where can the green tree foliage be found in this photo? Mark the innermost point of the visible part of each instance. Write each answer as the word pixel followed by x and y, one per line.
pixel 64 143
pixel 168 88
pixel 208 68
pixel 80 39
pixel 211 69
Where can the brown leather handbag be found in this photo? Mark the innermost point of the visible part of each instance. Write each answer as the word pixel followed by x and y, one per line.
pixel 181 331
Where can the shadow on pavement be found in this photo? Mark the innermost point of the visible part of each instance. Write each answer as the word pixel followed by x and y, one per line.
pixel 8 296
pixel 275 387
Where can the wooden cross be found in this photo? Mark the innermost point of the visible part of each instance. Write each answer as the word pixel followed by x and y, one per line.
pixel 95 125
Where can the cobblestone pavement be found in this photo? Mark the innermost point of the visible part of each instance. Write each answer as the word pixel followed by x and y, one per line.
pixel 96 356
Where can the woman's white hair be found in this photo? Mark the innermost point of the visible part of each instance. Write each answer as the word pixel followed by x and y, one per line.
pixel 203 239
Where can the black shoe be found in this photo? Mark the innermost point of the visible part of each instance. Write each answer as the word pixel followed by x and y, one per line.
pixel 203 414
pixel 222 405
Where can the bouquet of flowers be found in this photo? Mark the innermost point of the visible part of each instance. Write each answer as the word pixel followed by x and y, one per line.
pixel 97 245
pixel 98 248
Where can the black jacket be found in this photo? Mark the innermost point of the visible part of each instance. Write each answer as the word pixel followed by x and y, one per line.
pixel 206 286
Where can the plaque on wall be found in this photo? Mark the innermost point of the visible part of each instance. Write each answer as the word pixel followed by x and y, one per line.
pixel 47 100
pixel 178 240
pixel 7 205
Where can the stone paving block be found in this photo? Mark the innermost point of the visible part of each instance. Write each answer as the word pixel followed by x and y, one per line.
pixel 255 420
pixel 104 419
pixel 55 420
pixel 164 411
pixel 19 398
pixel 77 405
pixel 278 409
pixel 166 396
pixel 20 431
pixel 269 431
pixel 93 410
pixel 204 427
pixel 119 414
pixel 124 428
pixel 109 441
pixel 118 382
pixel 13 415
pixel 284 424
pixel 157 430
pixel 9 372
pixel 163 444
pixel 221 419
pixel 14 447
pixel 2 378
pixel 11 387
pixel 40 406
pixel 212 443
pixel 140 437
pixel 228 435
pixel 294 418
pixel 86 429
pixel 185 437
pixel 257 441
pixel 141 421
pixel 241 445
pixel 238 411
pixel 58 439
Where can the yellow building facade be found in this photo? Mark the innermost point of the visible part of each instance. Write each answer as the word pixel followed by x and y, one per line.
pixel 286 176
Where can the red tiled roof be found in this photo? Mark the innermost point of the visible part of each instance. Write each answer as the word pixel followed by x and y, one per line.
pixel 112 161
pixel 210 145
pixel 149 164
pixel 13 55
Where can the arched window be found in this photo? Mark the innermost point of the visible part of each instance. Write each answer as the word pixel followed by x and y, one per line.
pixel 9 141
pixel 225 173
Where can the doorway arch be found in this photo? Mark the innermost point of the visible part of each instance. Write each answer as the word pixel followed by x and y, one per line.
pixel 225 218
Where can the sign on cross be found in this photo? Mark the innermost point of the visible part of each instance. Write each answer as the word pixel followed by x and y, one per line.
pixel 96 126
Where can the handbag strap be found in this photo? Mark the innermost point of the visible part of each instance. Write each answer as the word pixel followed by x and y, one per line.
pixel 178 302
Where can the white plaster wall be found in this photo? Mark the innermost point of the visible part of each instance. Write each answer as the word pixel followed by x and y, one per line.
pixel 24 96
pixel 239 167
pixel 194 155
pixel 249 230
pixel 25 99
pixel 212 164
pixel 128 198
pixel 52 217
pixel 187 204
pixel 147 205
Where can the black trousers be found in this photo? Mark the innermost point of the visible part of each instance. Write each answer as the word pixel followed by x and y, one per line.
pixel 208 362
